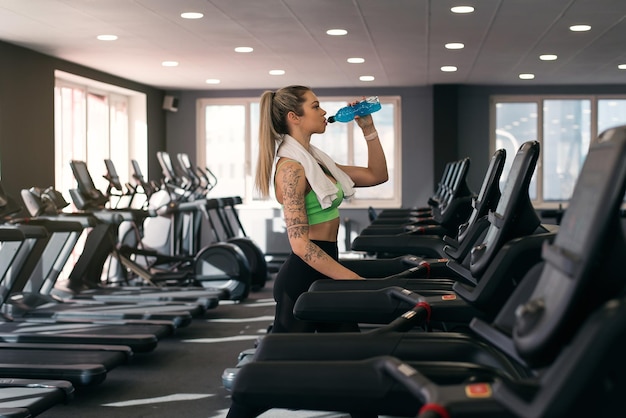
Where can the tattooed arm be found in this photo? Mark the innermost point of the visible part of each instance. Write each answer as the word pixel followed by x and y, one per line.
pixel 291 187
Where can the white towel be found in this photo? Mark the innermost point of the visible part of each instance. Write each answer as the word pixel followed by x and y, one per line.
pixel 325 190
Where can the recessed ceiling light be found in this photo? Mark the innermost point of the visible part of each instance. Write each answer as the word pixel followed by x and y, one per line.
pixel 548 57
pixel 448 68
pixel 455 45
pixel 212 81
pixel 356 60
pixel 191 15
pixel 580 28
pixel 622 66
pixel 367 78
pixel 526 76
pixel 462 9
pixel 336 32
pixel 170 63
pixel 244 49
pixel 277 72
pixel 107 37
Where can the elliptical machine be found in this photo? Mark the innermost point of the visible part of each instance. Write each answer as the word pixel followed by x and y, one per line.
pixel 228 227
pixel 159 261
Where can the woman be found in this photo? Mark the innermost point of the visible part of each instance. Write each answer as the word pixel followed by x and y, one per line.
pixel 310 187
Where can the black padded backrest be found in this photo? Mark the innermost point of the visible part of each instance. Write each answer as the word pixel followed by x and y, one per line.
pixel 583 267
pixel 514 215
pixel 489 193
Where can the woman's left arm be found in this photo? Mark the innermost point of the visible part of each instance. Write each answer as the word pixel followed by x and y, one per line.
pixel 376 170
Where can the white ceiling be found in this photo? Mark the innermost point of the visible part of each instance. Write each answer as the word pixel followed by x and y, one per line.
pixel 402 41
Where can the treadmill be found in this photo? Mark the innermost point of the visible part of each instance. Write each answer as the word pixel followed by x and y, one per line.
pixel 79 364
pixel 141 336
pixel 22 255
pixel 206 275
pixel 25 398
pixel 84 280
pixel 22 303
pixel 562 330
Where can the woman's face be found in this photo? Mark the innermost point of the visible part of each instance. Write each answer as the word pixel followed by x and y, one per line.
pixel 313 117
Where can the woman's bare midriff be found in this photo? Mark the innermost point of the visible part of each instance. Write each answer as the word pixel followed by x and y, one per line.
pixel 326 231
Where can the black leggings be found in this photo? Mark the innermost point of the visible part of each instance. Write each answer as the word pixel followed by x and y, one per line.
pixel 294 278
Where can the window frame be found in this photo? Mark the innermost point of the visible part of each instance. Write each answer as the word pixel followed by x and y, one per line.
pixel 539 201
pixel 247 194
pixel 136 140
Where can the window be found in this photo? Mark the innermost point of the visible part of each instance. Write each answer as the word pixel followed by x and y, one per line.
pixel 565 128
pixel 95 121
pixel 222 145
pixel 611 112
pixel 228 146
pixel 91 120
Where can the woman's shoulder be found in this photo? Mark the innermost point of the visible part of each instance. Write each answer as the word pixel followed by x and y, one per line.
pixel 282 161
pixel 288 170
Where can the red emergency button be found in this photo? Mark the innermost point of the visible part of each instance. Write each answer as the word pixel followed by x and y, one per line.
pixel 478 390
pixel 448 297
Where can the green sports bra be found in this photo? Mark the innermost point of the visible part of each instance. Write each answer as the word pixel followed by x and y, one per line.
pixel 314 210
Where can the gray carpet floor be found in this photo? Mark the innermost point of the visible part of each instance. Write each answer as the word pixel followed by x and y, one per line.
pixel 182 376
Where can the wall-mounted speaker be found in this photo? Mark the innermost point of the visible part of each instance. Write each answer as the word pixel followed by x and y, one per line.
pixel 170 103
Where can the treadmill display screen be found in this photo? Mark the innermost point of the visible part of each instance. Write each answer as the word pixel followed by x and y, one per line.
pixel 136 168
pixel 83 178
pixel 490 172
pixel 509 186
pixel 590 197
pixel 110 167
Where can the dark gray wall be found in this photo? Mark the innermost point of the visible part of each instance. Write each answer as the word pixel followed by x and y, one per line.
pixel 445 126
pixel 27 115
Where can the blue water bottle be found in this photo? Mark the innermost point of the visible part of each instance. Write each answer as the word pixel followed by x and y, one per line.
pixel 362 108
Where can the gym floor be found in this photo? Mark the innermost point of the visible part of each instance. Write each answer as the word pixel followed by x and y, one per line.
pixel 182 376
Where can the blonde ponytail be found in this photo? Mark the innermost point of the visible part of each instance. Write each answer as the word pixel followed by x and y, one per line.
pixel 274 107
